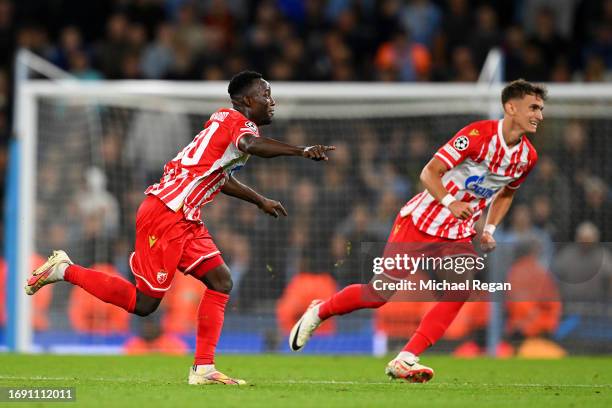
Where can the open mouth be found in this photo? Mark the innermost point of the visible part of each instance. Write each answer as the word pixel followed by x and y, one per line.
pixel 534 123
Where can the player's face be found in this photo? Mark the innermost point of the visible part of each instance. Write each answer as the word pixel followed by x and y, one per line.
pixel 262 103
pixel 529 112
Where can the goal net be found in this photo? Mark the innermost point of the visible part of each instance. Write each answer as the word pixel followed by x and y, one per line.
pixel 89 150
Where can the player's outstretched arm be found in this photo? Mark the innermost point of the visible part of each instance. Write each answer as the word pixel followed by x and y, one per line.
pixel 265 147
pixel 236 189
pixel 431 177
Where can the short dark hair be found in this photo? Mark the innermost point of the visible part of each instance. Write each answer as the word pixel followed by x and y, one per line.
pixel 241 81
pixel 519 88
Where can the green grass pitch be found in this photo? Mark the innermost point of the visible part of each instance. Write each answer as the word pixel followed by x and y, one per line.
pixel 313 381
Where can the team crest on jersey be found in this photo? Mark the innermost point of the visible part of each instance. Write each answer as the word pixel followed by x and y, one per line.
pixel 251 126
pixel 461 143
pixel 474 132
pixel 162 276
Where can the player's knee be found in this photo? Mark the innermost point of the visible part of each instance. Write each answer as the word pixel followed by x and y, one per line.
pixel 144 311
pixel 145 305
pixel 219 279
pixel 224 285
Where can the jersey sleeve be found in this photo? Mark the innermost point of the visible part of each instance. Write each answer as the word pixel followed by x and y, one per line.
pixel 242 127
pixel 532 160
pixel 466 143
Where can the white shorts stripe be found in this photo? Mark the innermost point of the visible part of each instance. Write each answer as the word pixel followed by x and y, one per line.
pixel 144 279
pixel 200 259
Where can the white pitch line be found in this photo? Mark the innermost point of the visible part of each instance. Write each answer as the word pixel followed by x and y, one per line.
pixel 323 382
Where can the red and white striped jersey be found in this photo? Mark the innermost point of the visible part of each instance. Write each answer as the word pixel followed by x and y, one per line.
pixel 197 173
pixel 479 164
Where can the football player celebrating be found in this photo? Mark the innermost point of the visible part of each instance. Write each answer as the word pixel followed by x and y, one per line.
pixel 484 163
pixel 169 232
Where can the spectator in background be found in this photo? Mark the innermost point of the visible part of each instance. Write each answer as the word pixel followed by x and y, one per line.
pixel 463 68
pixel 453 31
pixel 409 153
pixel 576 157
pixel 98 218
pixel 70 42
pixel 584 269
pixel 189 31
pixel 218 16
pixel 238 253
pixel 303 288
pixel 7 32
pixel 422 19
pixel 346 242
pixel 95 200
pixel 40 319
pixel 90 315
pixel 528 13
pixel 147 13
pixel 535 67
pixel 153 138
pixel 597 206
pixel 513 45
pixel 153 339
pixel 522 228
pixel 594 70
pixel 386 20
pixel 601 43
pixel 180 308
pixel 111 51
pixel 158 56
pixel 401 59
pixel 485 35
pixel 301 240
pixel 80 67
pixel 548 182
pixel 533 305
pixel 547 38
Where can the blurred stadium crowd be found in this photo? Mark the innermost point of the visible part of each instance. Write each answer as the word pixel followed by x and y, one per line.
pixel 323 40
pixel 353 198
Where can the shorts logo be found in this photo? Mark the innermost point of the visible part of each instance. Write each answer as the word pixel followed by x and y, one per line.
pixel 152 240
pixel 396 229
pixel 162 276
pixel 461 143
pixel 251 126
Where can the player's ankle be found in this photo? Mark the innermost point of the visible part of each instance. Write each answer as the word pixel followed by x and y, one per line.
pixel 406 356
pixel 204 368
pixel 61 268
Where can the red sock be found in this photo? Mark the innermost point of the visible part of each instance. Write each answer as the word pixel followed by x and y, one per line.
pixel 351 298
pixel 210 321
pixel 432 327
pixel 109 288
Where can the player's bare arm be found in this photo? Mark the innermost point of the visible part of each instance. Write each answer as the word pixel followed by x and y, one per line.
pixel 497 211
pixel 236 189
pixel 266 147
pixel 431 177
